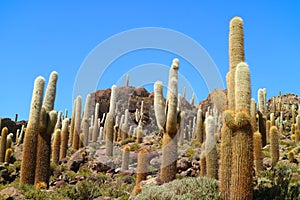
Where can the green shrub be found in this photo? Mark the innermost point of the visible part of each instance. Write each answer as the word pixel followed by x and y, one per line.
pixel 186 188
pixel 278 183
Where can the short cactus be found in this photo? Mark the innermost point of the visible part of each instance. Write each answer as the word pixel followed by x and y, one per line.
pixel 56 146
pixel 8 154
pixel 257 149
pixel 4 133
pixel 210 149
pixel 274 145
pixel 64 139
pixel 125 158
pixel 142 166
pixel 199 127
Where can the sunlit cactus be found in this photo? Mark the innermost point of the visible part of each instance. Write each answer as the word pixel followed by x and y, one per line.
pixel 159 105
pixel 142 165
pixel 169 141
pixel 56 146
pixel 77 123
pixel 274 145
pixel 258 154
pixel 4 133
pixel 27 174
pixel 125 158
pixel 64 139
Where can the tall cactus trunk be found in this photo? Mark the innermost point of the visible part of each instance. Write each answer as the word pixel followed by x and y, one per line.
pixel 30 139
pixel 169 142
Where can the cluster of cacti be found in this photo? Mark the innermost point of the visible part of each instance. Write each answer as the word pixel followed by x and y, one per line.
pixel 237 135
pixel 232 140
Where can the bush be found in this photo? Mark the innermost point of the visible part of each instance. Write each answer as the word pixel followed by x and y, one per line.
pixel 186 188
pixel 278 183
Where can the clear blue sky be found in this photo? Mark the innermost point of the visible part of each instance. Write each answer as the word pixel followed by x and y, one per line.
pixel 37 38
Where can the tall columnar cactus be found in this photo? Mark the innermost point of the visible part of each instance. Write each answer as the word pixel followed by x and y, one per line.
pixel 262 128
pixel 293 110
pixel 192 101
pixel 72 123
pixel 182 128
pixel 210 149
pixel 169 141
pixel 109 122
pixel 56 146
pixel 268 126
pixel 30 140
pixel 48 120
pixel 236 55
pixel 199 127
pixel 127 80
pixel 258 154
pixel 76 132
pixel 142 166
pixel 64 139
pixel 85 130
pixel 59 120
pixel 242 139
pixel 21 135
pixel 261 100
pixel 139 134
pixel 272 119
pixel 4 133
pixel 125 126
pixel 203 167
pixel 159 105
pixel 274 145
pixel 125 158
pixel 95 127
pixel 9 140
pixel 253 114
pixel 47 124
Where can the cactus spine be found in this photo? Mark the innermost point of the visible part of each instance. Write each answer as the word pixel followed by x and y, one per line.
pixel 4 133
pixel 125 158
pixel 75 143
pixel 30 140
pixel 64 139
pixel 274 145
pixel 169 141
pixel 56 146
pixel 210 149
pixel 142 166
pixel 109 122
